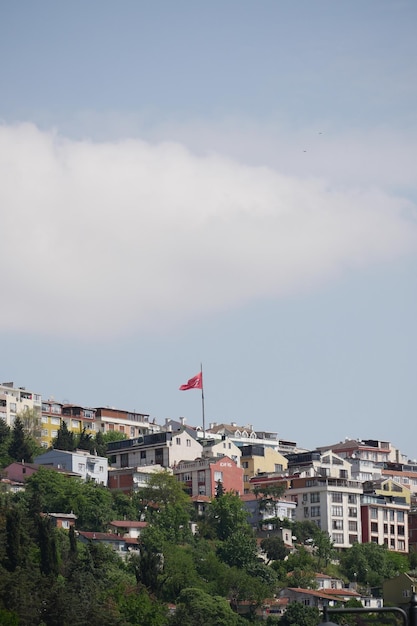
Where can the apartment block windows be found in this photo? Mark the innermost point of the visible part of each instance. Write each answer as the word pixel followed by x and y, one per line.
pixel 400 530
pixel 374 527
pixel 315 496
pixel 374 512
pixel 178 441
pixel 337 496
pixel 337 511
pixel 337 524
pixel 352 498
pixel 337 537
pixel 353 526
pixel 315 511
pixel 188 443
pixel 400 516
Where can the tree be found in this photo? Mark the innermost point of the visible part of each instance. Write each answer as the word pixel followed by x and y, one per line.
pixel 31 421
pixel 239 549
pixel 371 563
pixel 48 547
pixel 274 548
pixel 65 439
pixel 225 515
pixel 324 549
pixel 85 441
pixel 299 615
pixel 196 608
pixel 20 447
pixel 268 496
pixel 5 435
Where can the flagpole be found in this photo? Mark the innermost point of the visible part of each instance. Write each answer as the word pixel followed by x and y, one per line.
pixel 202 401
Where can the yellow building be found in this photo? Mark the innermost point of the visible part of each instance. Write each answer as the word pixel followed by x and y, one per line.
pixel 258 459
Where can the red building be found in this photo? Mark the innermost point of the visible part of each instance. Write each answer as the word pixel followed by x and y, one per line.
pixel 201 476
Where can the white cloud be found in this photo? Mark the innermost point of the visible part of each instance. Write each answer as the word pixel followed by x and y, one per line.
pixel 107 238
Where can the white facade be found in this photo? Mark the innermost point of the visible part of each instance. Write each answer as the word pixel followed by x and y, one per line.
pixel 165 449
pixel 14 400
pixel 333 504
pixel 88 466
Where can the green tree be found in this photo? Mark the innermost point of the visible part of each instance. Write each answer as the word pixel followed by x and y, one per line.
pixel 299 615
pixel 20 447
pixel 323 548
pixel 85 441
pixel 197 608
pixel 5 436
pixel 274 548
pixel 48 547
pixel 239 549
pixel 225 515
pixel 65 439
pixel 370 564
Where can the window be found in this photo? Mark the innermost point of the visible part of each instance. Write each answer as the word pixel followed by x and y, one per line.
pixel 385 514
pixel 337 537
pixel 315 511
pixel 352 512
pixel 13 407
pixel 81 467
pixel 188 443
pixel 143 454
pixel 101 468
pixel 337 496
pixel 246 478
pixel 391 516
pixel 245 464
pixel 75 424
pixel 353 539
pixel 315 496
pixel 278 467
pixel 385 529
pixel 352 498
pixel 178 441
pixel 401 544
pixel 306 512
pixel 54 433
pixel 218 476
pixel 337 511
pixel 392 529
pixel 44 433
pixel 353 526
pixel 124 460
pixel 337 524
pixel 400 530
pixel 374 527
pixel 44 419
pixel 400 516
pixel 374 512
pixel 65 524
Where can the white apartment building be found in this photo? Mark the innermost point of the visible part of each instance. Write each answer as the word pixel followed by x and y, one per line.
pixel 165 449
pixel 333 504
pixel 15 400
pixel 82 462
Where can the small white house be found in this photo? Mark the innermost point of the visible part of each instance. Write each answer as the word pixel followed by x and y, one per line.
pixel 82 462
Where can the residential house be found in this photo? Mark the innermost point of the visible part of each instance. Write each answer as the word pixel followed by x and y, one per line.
pixel 130 529
pixel 201 476
pixel 164 448
pixel 62 520
pixel 221 447
pixel 397 591
pixel 121 545
pixel 281 509
pixel 132 479
pixel 88 466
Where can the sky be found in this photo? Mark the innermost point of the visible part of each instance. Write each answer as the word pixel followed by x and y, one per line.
pixel 230 184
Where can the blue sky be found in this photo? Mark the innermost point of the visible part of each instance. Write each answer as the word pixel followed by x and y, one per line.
pixel 231 183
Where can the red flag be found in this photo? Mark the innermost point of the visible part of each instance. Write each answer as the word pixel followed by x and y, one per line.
pixel 194 383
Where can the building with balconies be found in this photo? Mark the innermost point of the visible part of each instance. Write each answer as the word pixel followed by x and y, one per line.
pixel 16 400
pixel 200 477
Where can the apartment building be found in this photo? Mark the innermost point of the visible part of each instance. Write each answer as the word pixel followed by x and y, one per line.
pixel 332 503
pixel 384 518
pixel 222 447
pixel 257 459
pixel 201 476
pixel 164 448
pixel 15 400
pixel 130 423
pixel 88 466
